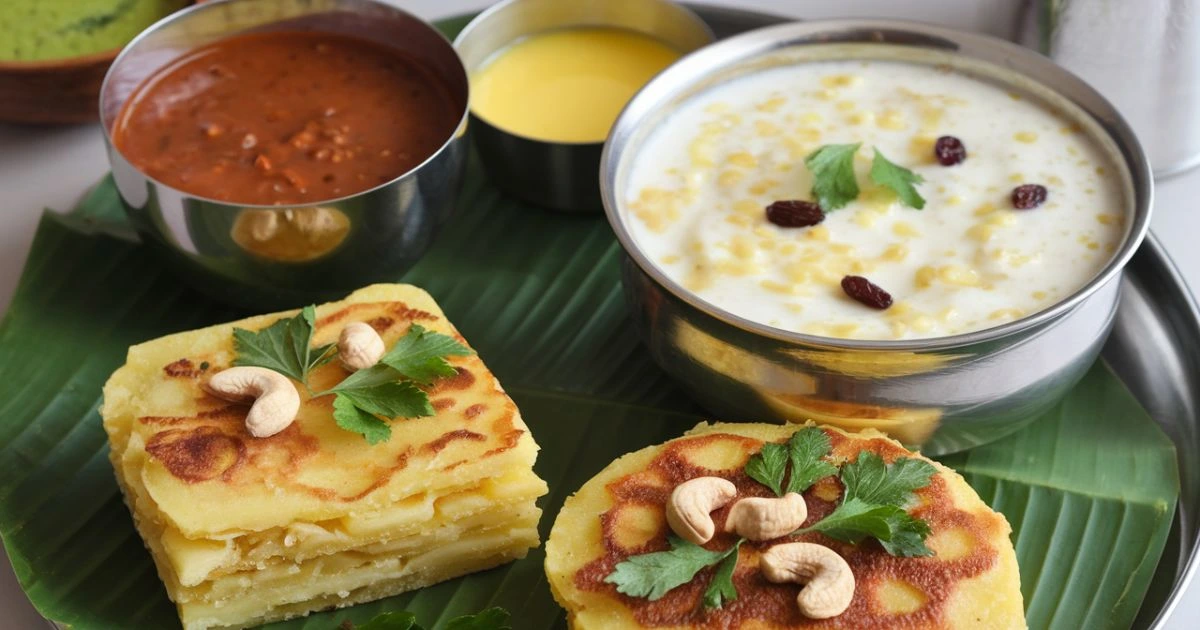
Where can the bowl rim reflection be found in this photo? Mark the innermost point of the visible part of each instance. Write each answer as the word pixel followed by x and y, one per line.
pixel 1005 56
pixel 188 13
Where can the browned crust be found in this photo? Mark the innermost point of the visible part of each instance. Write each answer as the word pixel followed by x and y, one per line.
pixel 760 601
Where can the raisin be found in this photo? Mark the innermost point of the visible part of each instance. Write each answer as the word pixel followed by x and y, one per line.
pixel 949 151
pixel 795 213
pixel 1027 196
pixel 866 292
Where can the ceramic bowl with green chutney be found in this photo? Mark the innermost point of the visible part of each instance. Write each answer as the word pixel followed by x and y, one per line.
pixel 54 53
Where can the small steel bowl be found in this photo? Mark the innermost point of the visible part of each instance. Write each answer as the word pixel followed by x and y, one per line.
pixel 560 175
pixel 945 394
pixel 370 236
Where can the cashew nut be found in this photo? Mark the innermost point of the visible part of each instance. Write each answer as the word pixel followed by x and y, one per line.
pixel 359 346
pixel 276 401
pixel 829 583
pixel 689 509
pixel 759 518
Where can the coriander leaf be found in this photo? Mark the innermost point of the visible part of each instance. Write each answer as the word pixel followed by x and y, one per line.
pixel 351 418
pixel 885 173
pixel 421 355
pixel 285 346
pixel 653 575
pixel 806 448
pixel 854 520
pixel 908 536
pixel 380 390
pixel 490 619
pixel 391 621
pixel 869 479
pixel 898 531
pixel 768 466
pixel 834 183
pixel 363 379
pixel 721 589
pixel 398 399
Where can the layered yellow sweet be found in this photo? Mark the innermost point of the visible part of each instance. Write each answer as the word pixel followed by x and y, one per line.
pixel 247 530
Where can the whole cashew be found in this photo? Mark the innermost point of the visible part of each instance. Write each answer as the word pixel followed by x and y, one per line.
pixel 359 346
pixel 759 518
pixel 828 580
pixel 689 509
pixel 276 401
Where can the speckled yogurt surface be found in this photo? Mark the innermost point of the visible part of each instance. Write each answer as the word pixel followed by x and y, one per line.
pixel 699 186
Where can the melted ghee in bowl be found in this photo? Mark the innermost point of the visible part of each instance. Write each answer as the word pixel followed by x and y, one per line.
pixel 567 85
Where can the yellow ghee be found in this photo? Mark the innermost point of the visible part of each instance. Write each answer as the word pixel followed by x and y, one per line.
pixel 567 85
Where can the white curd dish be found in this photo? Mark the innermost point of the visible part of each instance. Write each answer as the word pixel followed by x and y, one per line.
pixel 995 310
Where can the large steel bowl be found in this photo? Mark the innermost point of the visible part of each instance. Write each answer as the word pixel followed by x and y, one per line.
pixel 944 394
pixel 384 230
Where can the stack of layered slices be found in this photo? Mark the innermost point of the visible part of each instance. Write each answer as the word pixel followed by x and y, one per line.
pixel 247 530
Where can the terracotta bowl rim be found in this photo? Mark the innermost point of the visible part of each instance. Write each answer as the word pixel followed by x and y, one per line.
pixel 64 63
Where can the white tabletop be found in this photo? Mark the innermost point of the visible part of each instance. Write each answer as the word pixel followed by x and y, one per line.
pixel 51 168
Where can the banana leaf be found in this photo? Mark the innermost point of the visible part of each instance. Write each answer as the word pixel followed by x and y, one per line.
pixel 1090 488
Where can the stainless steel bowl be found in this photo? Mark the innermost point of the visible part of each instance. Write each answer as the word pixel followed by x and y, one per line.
pixel 378 233
pixel 945 394
pixel 560 175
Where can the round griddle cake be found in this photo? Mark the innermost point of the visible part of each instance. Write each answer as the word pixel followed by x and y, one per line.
pixel 971 582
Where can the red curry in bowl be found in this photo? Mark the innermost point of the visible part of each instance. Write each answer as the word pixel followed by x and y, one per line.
pixel 285 118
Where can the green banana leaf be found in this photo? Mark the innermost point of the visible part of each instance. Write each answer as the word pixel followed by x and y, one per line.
pixel 1090 488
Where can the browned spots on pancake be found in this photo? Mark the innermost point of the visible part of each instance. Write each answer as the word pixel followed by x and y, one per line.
pixel 442 442
pixel 382 478
pixel 441 404
pixel 404 313
pixel 224 412
pixel 184 368
pixel 462 379
pixel 474 410
pixel 398 311
pixel 199 454
pixel 761 601
pixel 507 442
pixel 381 324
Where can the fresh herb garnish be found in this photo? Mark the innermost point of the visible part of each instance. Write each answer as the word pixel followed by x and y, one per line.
pixel 421 355
pixel 490 619
pixel 386 390
pixel 832 166
pixel 872 505
pixel 721 589
pixel 835 185
pixel 901 180
pixel 804 452
pixel 285 346
pixel 652 575
pixel 769 466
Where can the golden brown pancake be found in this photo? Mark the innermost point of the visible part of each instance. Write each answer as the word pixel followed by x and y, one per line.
pixel 246 530
pixel 971 582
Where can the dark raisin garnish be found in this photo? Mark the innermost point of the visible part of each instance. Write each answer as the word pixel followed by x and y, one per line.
pixel 949 151
pixel 866 292
pixel 1027 196
pixel 795 213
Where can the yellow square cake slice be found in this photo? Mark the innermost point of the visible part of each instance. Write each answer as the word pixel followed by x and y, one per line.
pixel 246 530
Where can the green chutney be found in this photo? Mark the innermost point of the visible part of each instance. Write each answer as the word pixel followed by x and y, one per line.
pixel 36 30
